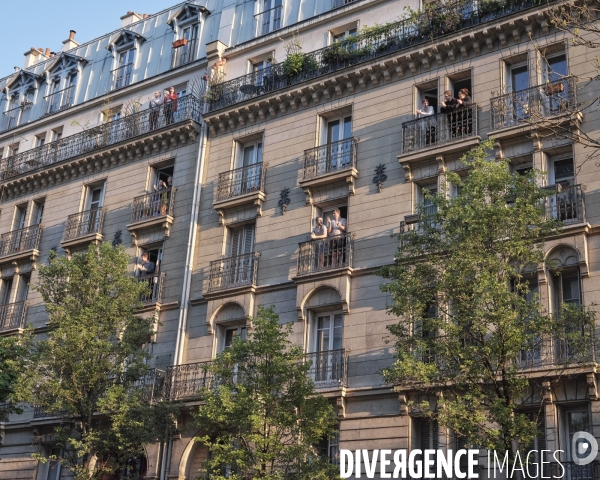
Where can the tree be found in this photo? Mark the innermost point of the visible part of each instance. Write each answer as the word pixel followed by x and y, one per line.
pixel 466 314
pixel 13 354
pixel 261 414
pixel 91 369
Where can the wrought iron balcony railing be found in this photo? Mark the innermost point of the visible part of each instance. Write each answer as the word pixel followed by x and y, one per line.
pixel 185 381
pixel 331 157
pixel 233 272
pixel 566 205
pixel 151 205
pixel 27 238
pixel 534 105
pixel 405 33
pixel 328 369
pixel 184 54
pixel 121 76
pixel 57 101
pixel 341 3
pixel 151 385
pixel 156 285
pixel 326 254
pixel 95 138
pixel 269 20
pixel 16 116
pixel 439 129
pixel 240 181
pixel 84 223
pixel 12 316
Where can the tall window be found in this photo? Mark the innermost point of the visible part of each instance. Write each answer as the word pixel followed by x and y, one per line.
pixel 578 420
pixel 188 51
pixel 337 154
pixel 90 219
pixel 246 176
pixel 328 358
pixel 261 72
pixel 242 241
pixel 123 72
pixel 270 16
pixel 53 466
pixel 337 37
pixel 232 333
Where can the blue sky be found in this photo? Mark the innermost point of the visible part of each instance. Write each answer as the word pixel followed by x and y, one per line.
pixel 48 23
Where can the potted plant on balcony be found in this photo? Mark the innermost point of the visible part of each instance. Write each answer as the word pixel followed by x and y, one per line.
pixel 297 62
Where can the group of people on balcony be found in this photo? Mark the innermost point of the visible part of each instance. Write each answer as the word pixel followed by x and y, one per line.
pixel 168 104
pixel 457 112
pixel 330 245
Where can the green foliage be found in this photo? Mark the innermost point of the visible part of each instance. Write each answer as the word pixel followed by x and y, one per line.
pixel 92 362
pixel 13 357
pixel 461 293
pixel 261 415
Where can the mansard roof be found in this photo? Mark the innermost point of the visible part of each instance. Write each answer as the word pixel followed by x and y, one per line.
pixel 125 37
pixel 186 12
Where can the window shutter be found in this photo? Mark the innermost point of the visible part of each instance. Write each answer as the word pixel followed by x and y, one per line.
pixel 248 239
pixel 235 241
pixel 425 434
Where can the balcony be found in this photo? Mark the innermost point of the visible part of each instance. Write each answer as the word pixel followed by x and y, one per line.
pixel 566 205
pixel 533 106
pixel 184 54
pixel 233 272
pixel 20 244
pixel 328 369
pixel 151 385
pixel 185 381
pixel 57 101
pixel 440 129
pixel 121 77
pixel 96 138
pixel 156 285
pixel 152 210
pixel 83 228
pixel 16 116
pixel 12 317
pixel 269 20
pixel 239 187
pixel 404 34
pixel 331 253
pixel 341 3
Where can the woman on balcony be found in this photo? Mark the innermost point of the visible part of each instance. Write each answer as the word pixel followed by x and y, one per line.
pixel 427 125
pixel 170 102
pixel 464 115
pixel 155 104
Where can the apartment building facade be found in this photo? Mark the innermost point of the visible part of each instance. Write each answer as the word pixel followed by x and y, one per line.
pixel 255 154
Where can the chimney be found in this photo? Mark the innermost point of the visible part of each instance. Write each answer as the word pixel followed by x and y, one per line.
pixel 130 18
pixel 145 15
pixel 47 53
pixel 33 56
pixel 70 43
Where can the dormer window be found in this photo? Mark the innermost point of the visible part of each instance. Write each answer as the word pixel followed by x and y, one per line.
pixel 184 49
pixel 270 16
pixel 123 49
pixel 62 84
pixel 20 94
pixel 123 73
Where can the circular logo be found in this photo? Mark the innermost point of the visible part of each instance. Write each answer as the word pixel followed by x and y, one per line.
pixel 584 448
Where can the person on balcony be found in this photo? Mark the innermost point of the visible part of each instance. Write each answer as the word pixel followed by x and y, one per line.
pixel 464 121
pixel 427 125
pixel 336 228
pixel 155 104
pixel 146 267
pixel 170 105
pixel 449 108
pixel 319 233
pixel 161 198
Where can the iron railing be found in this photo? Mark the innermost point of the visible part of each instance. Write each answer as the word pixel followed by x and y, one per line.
pixel 533 105
pixel 233 272
pixel 155 204
pixel 121 76
pixel 185 381
pixel 95 138
pixel 566 205
pixel 440 128
pixel 325 254
pixel 84 223
pixel 12 316
pixel 27 238
pixel 341 3
pixel 329 158
pixel 328 369
pixel 59 100
pixel 184 54
pixel 405 33
pixel 242 180
pixel 156 285
pixel 151 385
pixel 16 116
pixel 269 20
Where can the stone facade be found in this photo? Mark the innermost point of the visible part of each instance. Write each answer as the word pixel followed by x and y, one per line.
pixel 268 157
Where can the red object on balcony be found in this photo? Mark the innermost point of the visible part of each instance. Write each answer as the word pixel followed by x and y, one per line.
pixel 180 43
pixel 556 88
